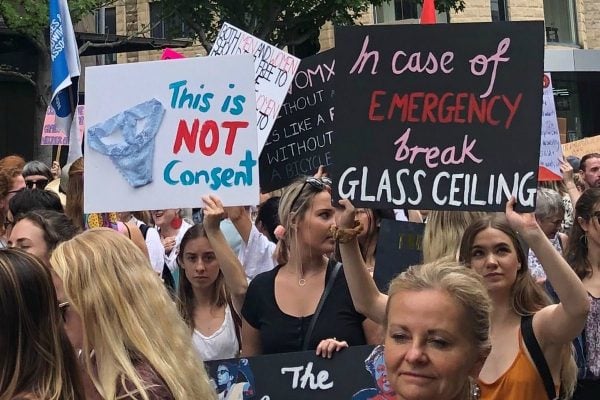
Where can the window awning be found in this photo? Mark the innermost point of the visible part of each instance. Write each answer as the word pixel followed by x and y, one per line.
pixel 122 44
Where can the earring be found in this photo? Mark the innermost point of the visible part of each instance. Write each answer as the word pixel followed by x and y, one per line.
pixel 583 239
pixel 474 389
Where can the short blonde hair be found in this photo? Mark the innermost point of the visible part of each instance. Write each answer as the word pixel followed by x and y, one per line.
pixel 127 312
pixel 461 284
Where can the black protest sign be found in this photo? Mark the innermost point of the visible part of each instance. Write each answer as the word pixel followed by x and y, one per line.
pixel 438 116
pixel 301 137
pixel 399 245
pixel 355 373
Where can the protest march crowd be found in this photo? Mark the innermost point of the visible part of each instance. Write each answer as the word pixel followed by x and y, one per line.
pixel 102 300
pixel 128 305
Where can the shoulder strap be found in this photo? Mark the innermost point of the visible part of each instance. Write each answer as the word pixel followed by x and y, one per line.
pixel 237 322
pixel 537 355
pixel 144 228
pixel 315 316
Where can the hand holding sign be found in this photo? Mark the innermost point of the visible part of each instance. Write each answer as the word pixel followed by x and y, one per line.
pixel 213 213
pixel 348 215
pixel 522 223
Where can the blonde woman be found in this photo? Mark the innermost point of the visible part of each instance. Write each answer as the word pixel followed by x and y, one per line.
pixel 437 323
pixel 491 248
pixel 443 232
pixel 134 344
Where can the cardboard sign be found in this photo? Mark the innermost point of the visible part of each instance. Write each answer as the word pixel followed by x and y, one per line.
pixel 51 135
pixel 580 148
pixel 399 245
pixel 355 373
pixel 441 117
pixel 550 150
pixel 162 134
pixel 301 138
pixel 274 70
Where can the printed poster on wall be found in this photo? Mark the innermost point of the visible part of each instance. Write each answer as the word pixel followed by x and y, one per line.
pixel 443 117
pixel 274 70
pixel 162 134
pixel 354 373
pixel 302 135
pixel 550 149
pixel 52 136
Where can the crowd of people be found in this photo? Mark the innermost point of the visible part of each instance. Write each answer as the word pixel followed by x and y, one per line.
pixel 128 305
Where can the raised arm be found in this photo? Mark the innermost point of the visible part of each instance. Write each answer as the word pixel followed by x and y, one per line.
pixel 235 278
pixel 569 181
pixel 241 220
pixel 367 299
pixel 559 323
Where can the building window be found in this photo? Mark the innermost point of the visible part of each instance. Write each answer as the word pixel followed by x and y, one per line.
pixel 166 26
pixel 106 23
pixel 561 26
pixel 498 8
pixel 396 10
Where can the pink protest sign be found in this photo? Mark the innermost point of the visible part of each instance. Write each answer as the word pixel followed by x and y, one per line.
pixel 170 54
pixel 51 135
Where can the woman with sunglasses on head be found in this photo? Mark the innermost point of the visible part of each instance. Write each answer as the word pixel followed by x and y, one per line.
pixel 304 302
pixel 37 362
pixel 583 254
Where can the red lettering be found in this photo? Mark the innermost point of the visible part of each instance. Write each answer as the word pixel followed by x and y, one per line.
pixel 398 102
pixel 412 106
pixel 374 105
pixel 475 109
pixel 459 107
pixel 430 103
pixel 490 108
pixel 211 127
pixel 233 126
pixel 184 135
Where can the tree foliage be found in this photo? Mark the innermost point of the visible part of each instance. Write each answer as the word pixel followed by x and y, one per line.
pixel 280 22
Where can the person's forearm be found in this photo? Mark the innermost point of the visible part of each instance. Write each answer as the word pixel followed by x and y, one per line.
pixel 233 272
pixel 367 298
pixel 565 282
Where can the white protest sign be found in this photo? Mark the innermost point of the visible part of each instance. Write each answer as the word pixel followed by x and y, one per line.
pixel 550 149
pixel 161 134
pixel 274 71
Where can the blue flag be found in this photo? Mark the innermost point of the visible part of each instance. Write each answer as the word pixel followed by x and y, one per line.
pixel 65 71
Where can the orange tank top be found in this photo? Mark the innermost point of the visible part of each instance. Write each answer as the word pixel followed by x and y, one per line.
pixel 520 381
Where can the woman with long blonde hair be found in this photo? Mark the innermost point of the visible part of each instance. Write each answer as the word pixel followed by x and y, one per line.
pixel 134 343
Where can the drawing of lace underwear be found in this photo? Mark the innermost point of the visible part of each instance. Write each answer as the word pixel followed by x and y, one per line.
pixel 134 156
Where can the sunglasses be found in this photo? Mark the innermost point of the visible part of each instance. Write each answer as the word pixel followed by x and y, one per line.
pixel 317 183
pixel 62 307
pixel 39 184
pixel 16 191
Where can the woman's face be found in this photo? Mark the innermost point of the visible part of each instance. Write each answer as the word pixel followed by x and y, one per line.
pixel 36 181
pixel 591 227
pixel 313 230
pixel 163 217
pixel 365 217
pixel 200 263
pixel 26 235
pixel 427 352
pixel 550 225
pixel 493 256
pixel 71 318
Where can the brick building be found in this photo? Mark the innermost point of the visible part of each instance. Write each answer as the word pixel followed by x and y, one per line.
pixel 572 35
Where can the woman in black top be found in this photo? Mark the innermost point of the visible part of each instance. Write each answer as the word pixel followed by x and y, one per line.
pixel 280 304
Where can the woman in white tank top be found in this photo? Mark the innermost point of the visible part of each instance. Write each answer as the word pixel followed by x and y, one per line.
pixel 212 286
